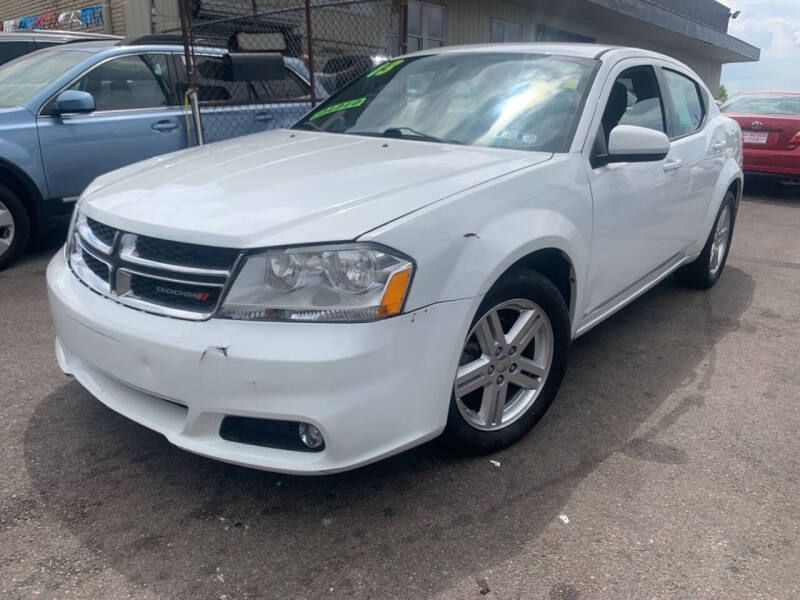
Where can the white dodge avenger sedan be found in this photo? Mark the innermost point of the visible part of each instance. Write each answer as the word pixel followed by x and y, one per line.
pixel 411 260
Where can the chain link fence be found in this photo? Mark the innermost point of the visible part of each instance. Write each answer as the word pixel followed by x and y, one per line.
pixel 254 65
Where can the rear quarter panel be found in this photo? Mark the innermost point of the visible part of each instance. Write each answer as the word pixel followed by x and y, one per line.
pixel 723 128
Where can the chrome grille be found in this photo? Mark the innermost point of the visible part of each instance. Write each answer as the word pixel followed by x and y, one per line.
pixel 104 233
pixel 98 267
pixel 159 276
pixel 187 255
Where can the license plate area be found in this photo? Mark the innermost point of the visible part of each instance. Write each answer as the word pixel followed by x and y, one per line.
pixel 758 138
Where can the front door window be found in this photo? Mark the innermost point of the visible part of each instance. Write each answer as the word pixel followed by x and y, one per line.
pixel 128 82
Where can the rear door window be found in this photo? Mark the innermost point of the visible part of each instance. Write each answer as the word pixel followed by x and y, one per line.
pixel 215 86
pixel 291 87
pixel 688 110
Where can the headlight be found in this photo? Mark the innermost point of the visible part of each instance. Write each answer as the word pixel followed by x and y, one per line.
pixel 353 282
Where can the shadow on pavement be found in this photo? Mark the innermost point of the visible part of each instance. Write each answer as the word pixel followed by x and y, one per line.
pixel 409 526
pixel 771 191
pixel 45 246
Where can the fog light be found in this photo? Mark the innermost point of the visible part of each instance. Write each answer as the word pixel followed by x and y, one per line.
pixel 310 435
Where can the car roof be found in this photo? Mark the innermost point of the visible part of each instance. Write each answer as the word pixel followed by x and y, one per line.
pixel 114 46
pixel 766 93
pixel 42 35
pixel 577 50
pixel 90 47
pixel 563 49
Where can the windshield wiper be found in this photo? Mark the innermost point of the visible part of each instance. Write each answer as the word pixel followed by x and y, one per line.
pixel 400 132
pixel 310 125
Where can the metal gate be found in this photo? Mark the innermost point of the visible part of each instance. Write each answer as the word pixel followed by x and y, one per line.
pixel 234 84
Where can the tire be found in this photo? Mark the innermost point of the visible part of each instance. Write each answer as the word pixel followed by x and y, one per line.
pixel 705 271
pixel 521 296
pixel 15 225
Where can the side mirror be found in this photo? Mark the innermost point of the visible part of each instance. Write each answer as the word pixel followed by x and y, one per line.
pixel 74 101
pixel 628 143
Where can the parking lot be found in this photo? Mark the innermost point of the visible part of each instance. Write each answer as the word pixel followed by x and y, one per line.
pixel 669 467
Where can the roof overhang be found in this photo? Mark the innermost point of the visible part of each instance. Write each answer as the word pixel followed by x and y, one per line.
pixel 643 20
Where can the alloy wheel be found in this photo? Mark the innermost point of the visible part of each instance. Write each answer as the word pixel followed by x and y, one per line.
pixel 504 364
pixel 719 245
pixel 6 229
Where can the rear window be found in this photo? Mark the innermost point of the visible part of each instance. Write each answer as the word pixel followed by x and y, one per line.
pixel 763 104
pixel 25 77
pixel 11 50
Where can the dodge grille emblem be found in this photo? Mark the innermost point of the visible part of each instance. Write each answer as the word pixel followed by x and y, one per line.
pixel 202 296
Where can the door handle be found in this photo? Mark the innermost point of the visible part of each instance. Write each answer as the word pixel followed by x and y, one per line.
pixel 719 146
pixel 673 165
pixel 264 117
pixel 164 126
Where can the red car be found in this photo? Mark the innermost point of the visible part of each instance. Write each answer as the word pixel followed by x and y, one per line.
pixel 770 123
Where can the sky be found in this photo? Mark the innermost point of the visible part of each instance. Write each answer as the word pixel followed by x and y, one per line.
pixel 773 26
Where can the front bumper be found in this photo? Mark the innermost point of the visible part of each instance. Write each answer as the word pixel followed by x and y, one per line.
pixel 372 389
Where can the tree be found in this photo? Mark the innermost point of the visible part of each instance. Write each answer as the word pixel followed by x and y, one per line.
pixel 722 95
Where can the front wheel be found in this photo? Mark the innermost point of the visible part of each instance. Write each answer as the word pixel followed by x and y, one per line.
pixel 15 227
pixel 511 366
pixel 707 268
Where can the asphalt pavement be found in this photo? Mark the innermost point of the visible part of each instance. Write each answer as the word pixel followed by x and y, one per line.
pixel 668 467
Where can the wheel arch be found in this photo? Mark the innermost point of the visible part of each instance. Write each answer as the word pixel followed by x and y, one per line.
pixel 737 187
pixel 730 178
pixel 550 260
pixel 552 263
pixel 16 180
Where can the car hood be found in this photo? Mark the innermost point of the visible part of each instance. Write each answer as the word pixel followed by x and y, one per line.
pixel 14 115
pixel 290 187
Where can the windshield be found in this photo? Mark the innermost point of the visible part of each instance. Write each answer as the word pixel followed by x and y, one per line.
pixel 504 100
pixel 763 104
pixel 25 77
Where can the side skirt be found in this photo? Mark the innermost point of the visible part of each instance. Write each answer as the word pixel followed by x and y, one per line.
pixel 597 315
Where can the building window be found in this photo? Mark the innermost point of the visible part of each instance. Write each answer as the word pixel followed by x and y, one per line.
pixel 503 31
pixel 552 34
pixel 425 26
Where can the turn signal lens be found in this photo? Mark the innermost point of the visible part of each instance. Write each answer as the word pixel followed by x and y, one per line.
pixel 395 294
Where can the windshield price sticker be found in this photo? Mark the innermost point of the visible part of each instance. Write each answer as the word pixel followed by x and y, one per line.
pixel 384 69
pixel 340 106
pixel 517 136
